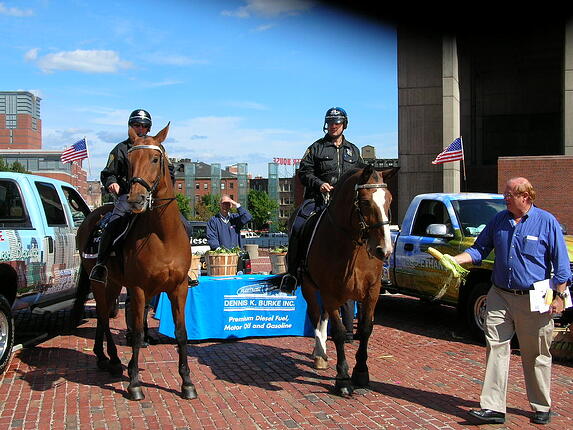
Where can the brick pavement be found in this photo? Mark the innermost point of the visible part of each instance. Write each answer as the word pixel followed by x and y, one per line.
pixel 421 378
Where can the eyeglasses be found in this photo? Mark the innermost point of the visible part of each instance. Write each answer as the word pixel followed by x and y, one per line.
pixel 511 195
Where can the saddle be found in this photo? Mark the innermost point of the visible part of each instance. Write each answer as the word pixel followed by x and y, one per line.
pixel 302 233
pixel 92 246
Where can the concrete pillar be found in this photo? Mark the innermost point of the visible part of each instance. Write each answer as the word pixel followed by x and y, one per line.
pixel 420 115
pixel 451 111
pixel 568 90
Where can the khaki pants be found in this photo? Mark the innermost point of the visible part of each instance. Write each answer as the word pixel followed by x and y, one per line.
pixel 508 314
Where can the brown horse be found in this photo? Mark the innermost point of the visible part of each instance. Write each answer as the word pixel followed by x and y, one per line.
pixel 155 257
pixel 344 261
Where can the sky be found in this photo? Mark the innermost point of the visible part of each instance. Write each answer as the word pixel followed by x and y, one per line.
pixel 239 81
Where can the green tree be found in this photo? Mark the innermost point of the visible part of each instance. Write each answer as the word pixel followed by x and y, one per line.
pixel 261 207
pixel 207 207
pixel 14 167
pixel 184 205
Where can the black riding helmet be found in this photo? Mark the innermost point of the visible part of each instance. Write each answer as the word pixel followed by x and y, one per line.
pixel 335 115
pixel 140 116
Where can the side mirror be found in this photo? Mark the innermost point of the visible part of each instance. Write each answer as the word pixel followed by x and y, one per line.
pixel 439 230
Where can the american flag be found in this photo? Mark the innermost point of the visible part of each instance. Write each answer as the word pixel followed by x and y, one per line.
pixel 454 152
pixel 78 151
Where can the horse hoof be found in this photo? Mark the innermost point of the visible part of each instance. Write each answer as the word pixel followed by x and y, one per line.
pixel 320 363
pixel 344 391
pixel 188 392
pixel 135 393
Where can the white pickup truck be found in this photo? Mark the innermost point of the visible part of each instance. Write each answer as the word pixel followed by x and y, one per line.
pixel 39 262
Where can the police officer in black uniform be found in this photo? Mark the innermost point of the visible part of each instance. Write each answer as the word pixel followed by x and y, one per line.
pixel 321 167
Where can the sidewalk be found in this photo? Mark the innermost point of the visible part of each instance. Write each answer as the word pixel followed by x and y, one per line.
pixel 421 378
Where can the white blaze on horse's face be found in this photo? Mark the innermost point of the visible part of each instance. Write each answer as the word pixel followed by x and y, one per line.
pixel 379 198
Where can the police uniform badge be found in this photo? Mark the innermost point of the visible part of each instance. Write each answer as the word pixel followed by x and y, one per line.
pixel 348 154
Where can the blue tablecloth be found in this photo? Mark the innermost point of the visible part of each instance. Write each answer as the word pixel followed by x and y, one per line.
pixel 237 307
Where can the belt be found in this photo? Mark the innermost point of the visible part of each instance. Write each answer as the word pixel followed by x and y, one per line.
pixel 513 290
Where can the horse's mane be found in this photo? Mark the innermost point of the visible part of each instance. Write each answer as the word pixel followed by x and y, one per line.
pixel 344 178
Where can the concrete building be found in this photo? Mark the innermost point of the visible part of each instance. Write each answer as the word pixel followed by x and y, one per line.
pixel 507 90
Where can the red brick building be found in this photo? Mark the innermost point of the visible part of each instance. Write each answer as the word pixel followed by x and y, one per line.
pixel 549 175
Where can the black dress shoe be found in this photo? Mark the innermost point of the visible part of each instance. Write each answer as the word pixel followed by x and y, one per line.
pixel 541 417
pixel 488 416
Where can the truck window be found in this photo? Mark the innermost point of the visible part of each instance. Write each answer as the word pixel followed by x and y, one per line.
pixel 12 211
pixel 78 207
pixel 430 212
pixel 52 204
pixel 473 215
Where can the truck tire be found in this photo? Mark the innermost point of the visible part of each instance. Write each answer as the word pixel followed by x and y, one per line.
pixel 475 309
pixel 6 333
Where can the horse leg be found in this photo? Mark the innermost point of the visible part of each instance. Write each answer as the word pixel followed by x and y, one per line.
pixel 114 366
pixel 343 386
pixel 320 323
pixel 137 305
pixel 178 300
pixel 360 375
pixel 102 326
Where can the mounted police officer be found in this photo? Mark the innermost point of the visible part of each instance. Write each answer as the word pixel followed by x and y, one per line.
pixel 114 178
pixel 321 167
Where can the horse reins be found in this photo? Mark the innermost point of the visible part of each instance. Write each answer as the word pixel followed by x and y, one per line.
pixel 151 189
pixel 364 227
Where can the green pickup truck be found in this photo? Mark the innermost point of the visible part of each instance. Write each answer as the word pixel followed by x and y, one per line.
pixel 449 223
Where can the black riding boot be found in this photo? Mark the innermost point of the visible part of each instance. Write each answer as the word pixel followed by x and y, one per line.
pixel 99 271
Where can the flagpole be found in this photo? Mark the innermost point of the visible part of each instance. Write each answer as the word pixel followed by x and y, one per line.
pixel 88 157
pixel 463 157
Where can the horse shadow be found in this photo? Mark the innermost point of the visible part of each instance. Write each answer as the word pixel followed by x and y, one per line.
pixel 252 364
pixel 48 367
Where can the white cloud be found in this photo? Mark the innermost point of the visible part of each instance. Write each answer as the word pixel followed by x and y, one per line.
pixel 173 59
pixel 264 27
pixel 94 61
pixel 14 11
pixel 31 55
pixel 270 8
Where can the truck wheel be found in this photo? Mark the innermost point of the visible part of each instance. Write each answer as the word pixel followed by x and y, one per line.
pixel 475 309
pixel 6 333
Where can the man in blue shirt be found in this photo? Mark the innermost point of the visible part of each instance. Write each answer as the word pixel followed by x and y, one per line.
pixel 224 229
pixel 529 247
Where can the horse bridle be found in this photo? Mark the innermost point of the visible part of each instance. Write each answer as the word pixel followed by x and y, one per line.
pixel 150 189
pixel 364 227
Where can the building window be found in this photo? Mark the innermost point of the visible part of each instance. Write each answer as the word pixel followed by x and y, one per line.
pixel 205 186
pixel 197 185
pixel 179 186
pixel 10 121
pixel 231 185
pixel 222 185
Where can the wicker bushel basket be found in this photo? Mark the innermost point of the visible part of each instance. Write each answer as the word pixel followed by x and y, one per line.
pixel 195 268
pixel 278 262
pixel 222 264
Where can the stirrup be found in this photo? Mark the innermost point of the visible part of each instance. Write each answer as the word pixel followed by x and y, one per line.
pixel 289 282
pixel 99 273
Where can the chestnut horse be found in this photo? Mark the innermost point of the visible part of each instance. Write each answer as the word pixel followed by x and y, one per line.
pixel 155 257
pixel 344 261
